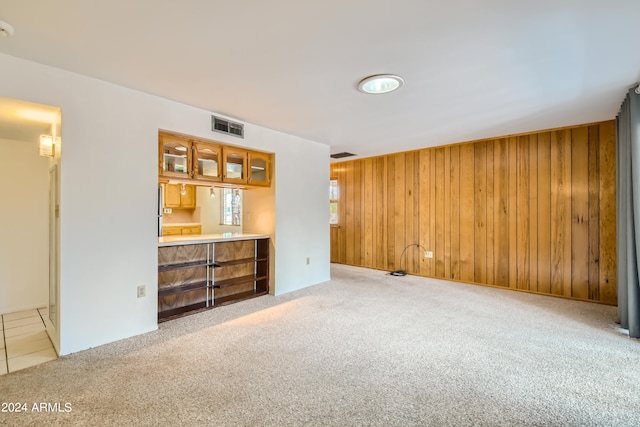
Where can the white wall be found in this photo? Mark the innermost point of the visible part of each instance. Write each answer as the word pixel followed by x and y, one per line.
pixel 24 246
pixel 109 160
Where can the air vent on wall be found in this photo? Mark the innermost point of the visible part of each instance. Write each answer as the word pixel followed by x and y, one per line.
pixel 227 126
pixel 341 155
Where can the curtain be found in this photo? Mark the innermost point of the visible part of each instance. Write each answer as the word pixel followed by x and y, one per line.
pixel 628 213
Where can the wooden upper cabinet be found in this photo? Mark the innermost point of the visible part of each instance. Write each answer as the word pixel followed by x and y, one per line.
pixel 188 199
pixel 207 159
pixel 174 157
pixel 259 168
pixel 234 165
pixel 189 160
pixel 173 197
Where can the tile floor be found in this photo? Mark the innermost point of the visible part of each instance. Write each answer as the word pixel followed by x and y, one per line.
pixel 24 341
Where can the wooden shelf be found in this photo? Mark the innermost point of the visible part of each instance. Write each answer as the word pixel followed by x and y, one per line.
pixel 172 290
pixel 169 267
pixel 241 269
pixel 234 262
pixel 163 316
pixel 237 281
pixel 237 297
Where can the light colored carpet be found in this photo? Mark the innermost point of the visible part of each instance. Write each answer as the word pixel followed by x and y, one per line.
pixel 362 349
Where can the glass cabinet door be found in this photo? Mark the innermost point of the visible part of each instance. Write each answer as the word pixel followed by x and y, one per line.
pixel 175 156
pixel 206 161
pixel 235 165
pixel 259 168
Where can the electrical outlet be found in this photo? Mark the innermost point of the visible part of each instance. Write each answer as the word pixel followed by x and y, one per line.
pixel 428 254
pixel 308 260
pixel 167 210
pixel 142 291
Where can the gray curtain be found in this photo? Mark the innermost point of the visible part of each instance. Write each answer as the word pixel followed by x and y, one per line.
pixel 628 213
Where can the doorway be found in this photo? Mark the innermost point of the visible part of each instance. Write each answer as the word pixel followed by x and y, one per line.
pixel 30 187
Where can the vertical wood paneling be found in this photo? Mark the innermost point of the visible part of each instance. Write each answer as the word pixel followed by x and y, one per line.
pixel 580 213
pixel 439 253
pixel 399 223
pixel 410 258
pixel 522 213
pixel 467 160
pixel 390 220
pixel 447 212
pixel 480 212
pixel 594 212
pixel 357 213
pixel 544 212
pixel 369 195
pixel 608 213
pixel 513 224
pixel 383 214
pixel 416 212
pixel 490 215
pixel 432 213
pixel 501 212
pixel 454 173
pixel 349 221
pixel 532 212
pixel 425 210
pixel 561 212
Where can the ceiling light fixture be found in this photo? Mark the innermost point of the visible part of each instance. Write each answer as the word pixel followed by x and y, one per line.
pixel 380 83
pixel 5 29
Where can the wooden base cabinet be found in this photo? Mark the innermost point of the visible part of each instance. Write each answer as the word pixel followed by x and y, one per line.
pixel 196 277
pixel 181 230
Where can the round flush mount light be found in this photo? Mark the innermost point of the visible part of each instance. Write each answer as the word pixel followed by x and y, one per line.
pixel 380 83
pixel 6 30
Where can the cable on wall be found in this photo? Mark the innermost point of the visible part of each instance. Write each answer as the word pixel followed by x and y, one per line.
pixel 403 272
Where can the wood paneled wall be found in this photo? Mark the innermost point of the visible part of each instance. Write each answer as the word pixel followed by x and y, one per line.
pixel 532 212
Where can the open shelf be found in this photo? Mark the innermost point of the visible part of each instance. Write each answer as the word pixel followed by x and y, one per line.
pixel 237 297
pixel 234 269
pixel 169 267
pixel 172 290
pixel 237 281
pixel 175 313
pixel 234 262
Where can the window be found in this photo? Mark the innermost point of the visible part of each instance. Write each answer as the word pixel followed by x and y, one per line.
pixel 333 201
pixel 231 206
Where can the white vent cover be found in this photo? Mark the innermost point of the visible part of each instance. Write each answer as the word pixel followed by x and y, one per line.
pixel 219 124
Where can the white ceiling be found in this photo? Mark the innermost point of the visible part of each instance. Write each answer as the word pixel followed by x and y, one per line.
pixel 472 69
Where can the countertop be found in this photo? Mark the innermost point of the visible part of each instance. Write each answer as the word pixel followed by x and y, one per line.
pixel 181 224
pixel 194 239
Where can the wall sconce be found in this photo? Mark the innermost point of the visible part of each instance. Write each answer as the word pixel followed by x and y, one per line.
pixel 45 147
pixel 212 192
pixel 183 189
